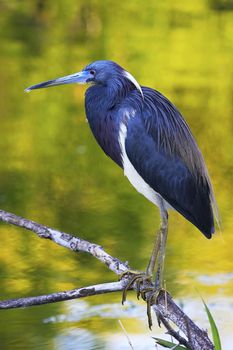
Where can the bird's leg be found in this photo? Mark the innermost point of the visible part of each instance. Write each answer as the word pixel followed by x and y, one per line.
pixel 158 252
pixel 162 247
pixel 157 257
pixel 154 255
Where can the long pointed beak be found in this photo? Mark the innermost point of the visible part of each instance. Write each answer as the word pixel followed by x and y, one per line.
pixel 82 77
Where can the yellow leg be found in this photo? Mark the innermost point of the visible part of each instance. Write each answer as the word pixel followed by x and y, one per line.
pixel 160 268
pixel 156 261
pixel 158 252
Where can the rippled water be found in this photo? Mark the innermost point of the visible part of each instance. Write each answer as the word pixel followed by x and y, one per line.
pixel 53 172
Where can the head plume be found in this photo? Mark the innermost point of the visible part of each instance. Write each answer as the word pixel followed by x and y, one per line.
pixel 133 81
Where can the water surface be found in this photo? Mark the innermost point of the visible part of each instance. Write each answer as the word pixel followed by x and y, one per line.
pixel 53 172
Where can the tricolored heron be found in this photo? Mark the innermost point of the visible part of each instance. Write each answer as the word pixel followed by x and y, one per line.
pixel 144 133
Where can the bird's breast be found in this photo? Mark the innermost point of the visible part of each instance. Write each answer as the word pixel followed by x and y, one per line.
pixel 105 129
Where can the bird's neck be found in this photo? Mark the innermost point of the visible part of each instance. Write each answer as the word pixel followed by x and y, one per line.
pixel 109 95
pixel 102 103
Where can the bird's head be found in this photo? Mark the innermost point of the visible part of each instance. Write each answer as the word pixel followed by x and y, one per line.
pixel 102 73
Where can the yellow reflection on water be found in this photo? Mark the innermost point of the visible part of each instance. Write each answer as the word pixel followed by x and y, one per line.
pixel 53 171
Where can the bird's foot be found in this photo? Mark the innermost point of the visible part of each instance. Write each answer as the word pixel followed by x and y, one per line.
pixel 135 277
pixel 151 295
pixel 144 288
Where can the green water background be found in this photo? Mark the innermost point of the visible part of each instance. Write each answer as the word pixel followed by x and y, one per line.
pixel 53 172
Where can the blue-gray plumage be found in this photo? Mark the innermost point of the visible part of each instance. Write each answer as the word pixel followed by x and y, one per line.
pixel 144 133
pixel 159 145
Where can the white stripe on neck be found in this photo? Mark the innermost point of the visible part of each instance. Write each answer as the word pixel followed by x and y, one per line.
pixel 134 81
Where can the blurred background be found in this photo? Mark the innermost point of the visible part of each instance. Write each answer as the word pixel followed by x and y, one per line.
pixel 53 172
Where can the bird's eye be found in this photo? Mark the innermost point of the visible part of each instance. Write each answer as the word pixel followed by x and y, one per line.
pixel 92 72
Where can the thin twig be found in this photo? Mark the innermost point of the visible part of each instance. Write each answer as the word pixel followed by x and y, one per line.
pixel 126 334
pixel 62 296
pixel 175 334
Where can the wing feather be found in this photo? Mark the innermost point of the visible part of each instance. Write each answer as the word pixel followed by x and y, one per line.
pixel 163 150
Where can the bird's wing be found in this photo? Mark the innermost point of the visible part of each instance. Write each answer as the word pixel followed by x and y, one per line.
pixel 163 151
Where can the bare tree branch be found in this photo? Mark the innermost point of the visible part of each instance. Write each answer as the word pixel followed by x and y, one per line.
pixel 171 311
pixel 66 240
pixel 172 332
pixel 165 307
pixel 62 296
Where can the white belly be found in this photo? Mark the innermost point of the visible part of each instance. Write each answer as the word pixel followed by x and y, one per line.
pixel 133 176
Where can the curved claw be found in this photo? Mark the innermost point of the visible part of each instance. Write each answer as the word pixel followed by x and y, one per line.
pixel 138 278
pixel 150 301
pixel 148 312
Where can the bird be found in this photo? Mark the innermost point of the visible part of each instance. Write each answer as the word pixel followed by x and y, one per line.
pixel 146 135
